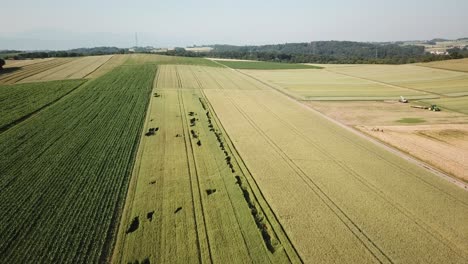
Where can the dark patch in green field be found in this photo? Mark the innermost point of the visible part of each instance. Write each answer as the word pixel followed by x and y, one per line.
pixel 411 120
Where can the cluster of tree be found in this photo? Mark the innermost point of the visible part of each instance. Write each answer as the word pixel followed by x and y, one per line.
pixel 340 52
pixel 458 53
pixel 68 53
pixel 2 62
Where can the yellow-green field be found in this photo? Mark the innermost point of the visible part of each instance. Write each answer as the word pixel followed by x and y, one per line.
pixel 454 65
pixel 329 85
pixel 191 192
pixel 436 81
pixel 366 82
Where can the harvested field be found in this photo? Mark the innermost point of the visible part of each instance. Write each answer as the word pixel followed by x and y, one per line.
pixel 65 171
pixel 322 180
pixel 76 69
pixel 189 180
pixel 328 85
pixel 378 113
pixel 19 101
pixel 115 61
pixel 443 146
pixel 453 65
pixel 21 63
pixel 32 69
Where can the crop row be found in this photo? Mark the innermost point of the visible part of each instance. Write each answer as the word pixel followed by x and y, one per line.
pixel 19 101
pixel 65 171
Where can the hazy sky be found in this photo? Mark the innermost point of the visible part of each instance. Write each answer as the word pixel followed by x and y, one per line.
pixel 62 24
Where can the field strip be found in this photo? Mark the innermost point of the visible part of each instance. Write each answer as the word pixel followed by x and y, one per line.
pixel 43 75
pixel 65 172
pixel 199 212
pixel 22 63
pixel 25 117
pixel 387 84
pixel 230 221
pixel 75 69
pixel 258 195
pixel 99 67
pixel 439 68
pixel 30 70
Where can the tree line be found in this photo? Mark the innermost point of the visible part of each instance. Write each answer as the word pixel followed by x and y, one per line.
pixel 339 52
pixel 69 53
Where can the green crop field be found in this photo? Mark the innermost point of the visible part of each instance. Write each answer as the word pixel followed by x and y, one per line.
pixel 65 171
pixel 264 65
pixel 21 100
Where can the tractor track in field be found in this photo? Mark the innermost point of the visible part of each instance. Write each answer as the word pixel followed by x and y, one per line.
pixel 259 196
pixel 195 188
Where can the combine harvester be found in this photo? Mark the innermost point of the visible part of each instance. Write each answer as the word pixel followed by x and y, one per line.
pixel 403 100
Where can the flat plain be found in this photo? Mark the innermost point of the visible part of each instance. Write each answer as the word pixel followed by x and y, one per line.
pixel 155 159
